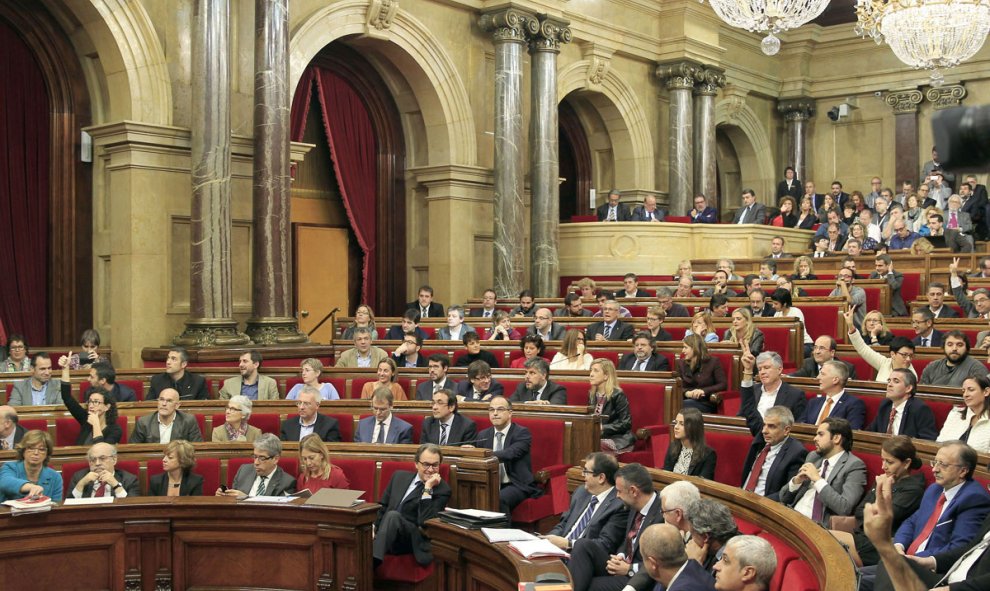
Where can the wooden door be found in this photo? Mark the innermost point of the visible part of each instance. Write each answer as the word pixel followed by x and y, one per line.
pixel 321 274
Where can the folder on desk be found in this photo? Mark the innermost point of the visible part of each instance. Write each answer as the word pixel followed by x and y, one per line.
pixel 334 497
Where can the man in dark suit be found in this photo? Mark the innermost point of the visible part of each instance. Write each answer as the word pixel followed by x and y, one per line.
pixel 975 204
pixel 167 420
pixel 190 386
pixel 262 477
pixel 10 432
pixel 910 416
pixel 425 305
pixel 665 298
pixel 774 457
pixel 834 401
pixel 594 566
pixel 489 299
pixel 447 426
pixel 822 352
pixel 770 392
pixel 610 328
pixel 885 270
pixel 410 499
pixel 750 212
pixel 702 212
pixel 410 323
pixel 310 420
pixel 832 480
pixel 407 354
pixel 537 387
pixel 839 195
pixel 817 199
pixel 479 385
pixel 511 445
pixel 383 426
pixel 936 301
pixel 631 284
pixel 573 307
pixel 760 305
pixel 648 212
pixel 102 478
pixel 613 211
pixel 544 326
pixel 923 323
pixel 438 363
pixel 103 378
pixel 667 562
pixel 595 512
pixel 643 357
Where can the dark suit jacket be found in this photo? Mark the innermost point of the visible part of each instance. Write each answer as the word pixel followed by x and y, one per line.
pixel 414 510
pixel 978 577
pixel 462 430
pixel 435 310
pixel 678 311
pixel 705 468
pixel 936 338
pixel 654 363
pixel 191 485
pixel 466 389
pixel 947 311
pixel 639 214
pixel 424 390
pixel 555 393
pixel 787 395
pixel 796 190
pixel 849 407
pixel 399 431
pixel 654 515
pixel 621 332
pixel 557 331
pixel 326 427
pixel 846 479
pixel 421 361
pixel 895 279
pixel 693 577
pixel 126 479
pixel 621 213
pixel 18 434
pixel 514 455
pixel 809 369
pixel 617 420
pixel 605 527
pixel 958 523
pixel 120 393
pixel 785 465
pixel 757 214
pixel 279 483
pixel 640 293
pixel 918 420
pixel 709 215
pixel 191 386
pixel 184 426
pixel 395 333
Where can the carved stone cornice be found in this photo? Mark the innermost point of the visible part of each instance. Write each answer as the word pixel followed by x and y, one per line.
pixel 550 35
pixel 904 101
pixel 599 61
pixel 380 15
pixel 680 75
pixel 799 109
pixel 946 96
pixel 510 25
pixel 708 80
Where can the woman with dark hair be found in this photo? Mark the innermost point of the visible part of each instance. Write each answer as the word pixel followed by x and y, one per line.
pixel 900 460
pixel 701 374
pixel 970 422
pixel 744 330
pixel 790 186
pixel 17 355
pixel 30 475
pixel 782 302
pixel 786 218
pixel 807 217
pixel 572 353
pixel 610 402
pixel 178 479
pixel 687 453
pixel 98 421
pixel 532 346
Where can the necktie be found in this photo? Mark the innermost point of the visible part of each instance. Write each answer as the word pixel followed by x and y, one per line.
pixel 487 314
pixel 953 222
pixel 754 474
pixel 608 331
pixel 631 536
pixel 818 508
pixel 825 410
pixel 381 432
pixel 611 214
pixel 584 521
pixel 4 444
pixel 436 387
pixel 890 423
pixel 101 490
pixel 424 312
pixel 924 341
pixel 502 475
pixel 261 486
pixel 742 218
pixel 415 493
pixel 929 527
pixel 639 365
pixel 443 433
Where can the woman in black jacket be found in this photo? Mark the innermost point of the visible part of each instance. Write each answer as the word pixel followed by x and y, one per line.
pixel 98 421
pixel 610 402
pixel 688 453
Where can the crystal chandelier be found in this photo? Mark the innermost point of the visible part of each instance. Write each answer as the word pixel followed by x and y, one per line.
pixel 768 16
pixel 929 34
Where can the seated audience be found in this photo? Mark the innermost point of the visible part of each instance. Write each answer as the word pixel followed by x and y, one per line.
pixel 263 477
pixel 410 323
pixel 855 296
pixel 822 351
pixel 667 561
pixel 901 413
pixel 387 374
pixel 744 331
pixel 748 564
pixel 407 354
pixel 310 370
pixel 17 355
pixel 720 286
pixel 784 307
pixel 166 424
pixel 772 391
pixel 472 344
pixel 316 471
pixel 587 287
pixel 718 305
pixel 190 386
pixel 573 307
pixel 177 478
pixel 310 420
pixel 703 326
pixel 511 445
pixel 103 378
pixel 611 403
pixel 971 421
pixel 102 478
pixel 595 512
pixel 643 356
pixel 804 269
pixel 688 453
pixel 630 283
pixel 712 525
pixel 382 426
pixel 834 401
pixel 526 306
pixel 648 211
pixel 702 376
pixel 956 366
pixel 685 287
pixel 479 386
pixel 902 237
pixel 235 426
pixel 40 389
pixel 249 382
pixel 437 364
pixel 29 475
pixel 446 426
pixel 774 457
pixel 787 217
pixel 671 309
pixel 98 421
pixel 936 303
pixel 544 327
pixel 572 353
pixel 807 217
pixel 885 270
pixel 655 315
pixel 729 267
pixel 537 388
pixel 501 328
pixel 363 354
pixel 363 318
pixel 425 305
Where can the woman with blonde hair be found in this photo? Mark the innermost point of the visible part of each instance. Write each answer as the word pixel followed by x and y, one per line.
pixel 315 469
pixel 364 317
pixel 310 370
pixel 744 330
pixel 804 269
pixel 684 269
pixel 177 479
pixel 921 247
pixel 572 353
pixel 858 231
pixel 387 373
pixel 501 328
pixel 236 427
pixel 30 475
pixel 875 331
pixel 703 326
pixel 610 402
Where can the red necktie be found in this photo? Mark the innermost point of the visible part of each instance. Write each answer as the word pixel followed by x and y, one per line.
pixel 101 490
pixel 929 526
pixel 890 423
pixel 754 474
pixel 637 523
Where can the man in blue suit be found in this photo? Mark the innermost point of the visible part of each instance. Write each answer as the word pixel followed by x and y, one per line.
pixel 666 559
pixel 901 413
pixel 382 427
pixel 770 392
pixel 834 401
pixel 702 212
pixel 951 510
pixel 782 455
pixel 511 444
pixel 595 512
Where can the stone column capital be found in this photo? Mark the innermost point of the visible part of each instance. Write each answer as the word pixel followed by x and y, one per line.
pixel 708 80
pixel 510 24
pixel 947 96
pixel 680 74
pixel 799 109
pixel 552 33
pixel 904 101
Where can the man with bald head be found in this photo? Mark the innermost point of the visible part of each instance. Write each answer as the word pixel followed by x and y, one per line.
pixel 167 424
pixel 10 431
pixel 102 478
pixel 648 212
pixel 666 559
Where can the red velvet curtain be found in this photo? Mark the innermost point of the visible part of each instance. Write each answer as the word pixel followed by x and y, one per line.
pixel 353 148
pixel 24 182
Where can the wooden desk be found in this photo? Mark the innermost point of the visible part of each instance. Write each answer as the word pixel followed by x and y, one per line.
pixel 180 543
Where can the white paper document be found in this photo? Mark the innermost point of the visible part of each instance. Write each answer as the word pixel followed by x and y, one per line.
pixel 495 534
pixel 476 513
pixel 89 501
pixel 269 499
pixel 537 549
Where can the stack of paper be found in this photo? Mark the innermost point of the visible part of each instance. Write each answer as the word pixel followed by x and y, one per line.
pixel 507 535
pixel 538 548
pixel 26 505
pixel 474 518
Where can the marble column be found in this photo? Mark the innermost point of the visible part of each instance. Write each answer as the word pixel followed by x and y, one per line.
pixel 680 78
pixel 271 321
pixel 544 167
pixel 211 322
pixel 709 81
pixel 509 28
pixel 906 157
pixel 796 113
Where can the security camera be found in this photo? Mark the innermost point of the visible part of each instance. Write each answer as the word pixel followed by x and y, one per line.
pixel 878 94
pixel 833 113
pixel 840 111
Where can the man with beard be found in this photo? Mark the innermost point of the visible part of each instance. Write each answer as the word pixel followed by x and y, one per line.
pixel 956 366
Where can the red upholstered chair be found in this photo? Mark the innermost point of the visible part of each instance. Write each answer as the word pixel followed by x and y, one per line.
pixel 403 568
pixel 416 420
pixel 646 406
pixel 208 468
pixel 68 469
pixel 798 576
pixel 680 219
pixel 747 528
pixel 864 371
pixel 8 390
pixel 345 423
pixel 34 424
pixel 785 556
pixel 583 218
pixel 361 475
pixel 547 456
pixel 731 449
pixel 601 354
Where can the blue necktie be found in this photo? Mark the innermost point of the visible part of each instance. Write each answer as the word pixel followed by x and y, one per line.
pixel 585 520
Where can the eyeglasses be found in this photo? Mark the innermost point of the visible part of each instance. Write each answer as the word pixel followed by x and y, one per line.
pixel 100 459
pixel 37 450
pixel 498 409
pixel 586 472
pixel 941 464
pixel 904 355
pixel 430 465
pixel 17 348
pixel 233 409
pixel 262 458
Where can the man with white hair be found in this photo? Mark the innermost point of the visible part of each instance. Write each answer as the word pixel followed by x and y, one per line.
pixel 748 563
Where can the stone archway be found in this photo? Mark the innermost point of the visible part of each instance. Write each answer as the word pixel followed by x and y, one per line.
pixel 738 127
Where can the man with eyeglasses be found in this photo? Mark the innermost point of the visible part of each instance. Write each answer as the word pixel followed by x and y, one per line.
pixel 310 420
pixel 168 424
pixel 902 236
pixel 511 445
pixel 702 212
pixel 407 354
pixel 263 477
pixel 901 413
pixel 610 328
pixel 665 299
pixel 382 426
pixel 834 401
pixel 976 307
pixel 855 296
pixel 446 426
pixel 102 478
pixel 595 512
pixel 923 323
pixel 956 366
pixel 410 499
pixel 544 327
pixel 437 365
